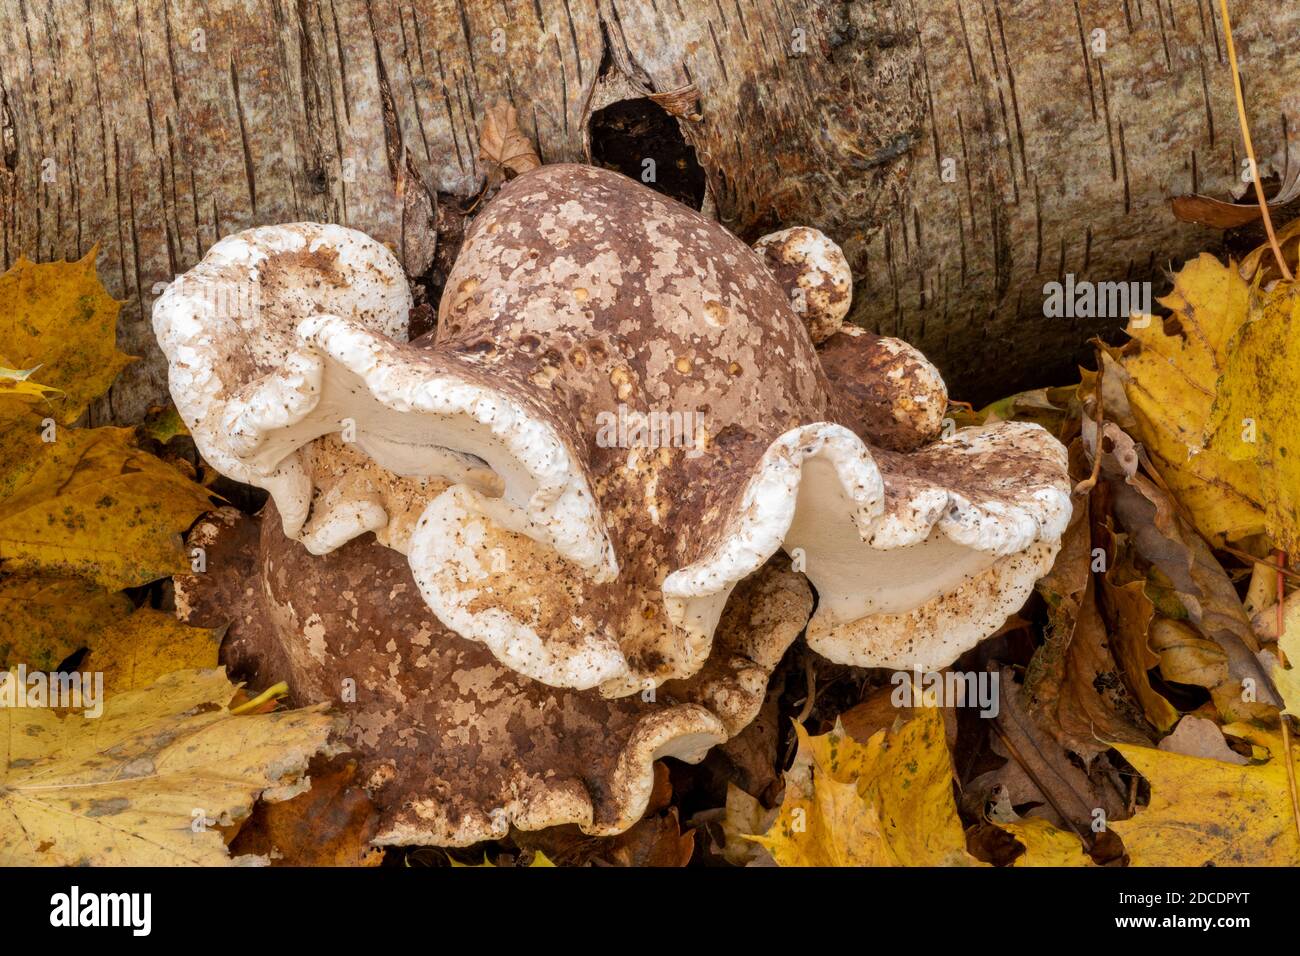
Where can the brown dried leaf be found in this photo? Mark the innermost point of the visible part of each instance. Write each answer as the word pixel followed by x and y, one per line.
pixel 1073 684
pixel 503 146
pixel 1199 737
pixel 1130 614
pixel 329 825
pixel 1163 539
pixel 655 841
pixel 1222 214
pixel 1038 770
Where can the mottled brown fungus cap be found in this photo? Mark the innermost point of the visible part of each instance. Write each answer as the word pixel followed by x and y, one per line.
pixel 815 275
pixel 454 747
pixel 884 389
pixel 619 418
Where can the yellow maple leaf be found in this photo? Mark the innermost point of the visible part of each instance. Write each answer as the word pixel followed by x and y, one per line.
pixel 887 802
pixel 44 619
pixel 1254 422
pixel 76 502
pixel 1172 370
pixel 57 315
pixel 1208 812
pixel 91 504
pixel 1046 845
pixel 138 650
pixel 22 435
pixel 139 784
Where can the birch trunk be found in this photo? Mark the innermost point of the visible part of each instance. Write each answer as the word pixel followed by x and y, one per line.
pixel 964 152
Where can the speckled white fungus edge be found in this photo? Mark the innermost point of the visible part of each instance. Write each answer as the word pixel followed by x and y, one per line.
pixel 233 423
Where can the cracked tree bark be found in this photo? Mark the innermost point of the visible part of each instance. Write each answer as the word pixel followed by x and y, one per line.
pixel 964 152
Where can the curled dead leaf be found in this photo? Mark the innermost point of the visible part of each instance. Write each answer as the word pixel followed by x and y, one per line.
pixel 503 146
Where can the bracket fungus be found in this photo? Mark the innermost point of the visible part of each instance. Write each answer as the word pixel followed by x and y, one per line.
pixel 619 419
pixel 813 269
pixel 453 746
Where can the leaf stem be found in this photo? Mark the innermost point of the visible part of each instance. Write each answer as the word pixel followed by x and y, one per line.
pixel 275 690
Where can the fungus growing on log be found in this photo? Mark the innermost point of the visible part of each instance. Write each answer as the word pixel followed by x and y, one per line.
pixel 619 418
pixel 817 276
pixel 453 746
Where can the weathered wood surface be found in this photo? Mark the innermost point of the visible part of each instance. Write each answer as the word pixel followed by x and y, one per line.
pixel 153 127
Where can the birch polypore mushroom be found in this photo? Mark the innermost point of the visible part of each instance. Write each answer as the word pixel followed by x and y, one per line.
pixel 619 417
pixel 239 371
pixel 884 389
pixel 453 746
pixel 815 273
